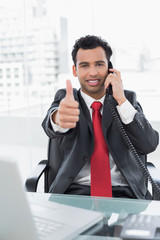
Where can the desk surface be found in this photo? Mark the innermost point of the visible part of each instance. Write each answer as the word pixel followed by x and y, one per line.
pixel 115 211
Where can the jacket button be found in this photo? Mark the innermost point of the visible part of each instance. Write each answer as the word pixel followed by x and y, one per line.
pixel 86 158
pixel 71 178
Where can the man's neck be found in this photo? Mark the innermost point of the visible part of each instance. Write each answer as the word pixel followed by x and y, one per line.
pixel 93 96
pixel 89 100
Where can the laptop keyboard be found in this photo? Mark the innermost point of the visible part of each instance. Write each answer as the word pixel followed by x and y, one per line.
pixel 46 227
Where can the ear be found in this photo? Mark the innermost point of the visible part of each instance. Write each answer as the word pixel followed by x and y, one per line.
pixel 74 71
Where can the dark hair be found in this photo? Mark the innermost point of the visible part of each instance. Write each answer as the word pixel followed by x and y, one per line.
pixel 91 42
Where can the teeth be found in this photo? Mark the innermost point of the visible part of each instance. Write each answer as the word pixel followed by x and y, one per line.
pixel 93 81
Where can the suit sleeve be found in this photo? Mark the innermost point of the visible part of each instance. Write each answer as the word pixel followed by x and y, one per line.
pixel 144 138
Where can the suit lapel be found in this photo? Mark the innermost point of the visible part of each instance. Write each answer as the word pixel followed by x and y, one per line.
pixel 107 117
pixel 85 111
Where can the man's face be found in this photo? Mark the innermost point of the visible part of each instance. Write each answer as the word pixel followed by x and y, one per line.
pixel 91 70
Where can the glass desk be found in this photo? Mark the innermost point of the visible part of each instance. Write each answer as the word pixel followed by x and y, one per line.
pixel 115 211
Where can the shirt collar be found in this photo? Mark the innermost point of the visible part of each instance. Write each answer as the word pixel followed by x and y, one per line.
pixel 89 100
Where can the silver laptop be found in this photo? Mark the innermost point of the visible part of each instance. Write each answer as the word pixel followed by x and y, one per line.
pixel 32 218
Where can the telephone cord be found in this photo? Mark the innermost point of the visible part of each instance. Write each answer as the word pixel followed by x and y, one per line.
pixel 134 152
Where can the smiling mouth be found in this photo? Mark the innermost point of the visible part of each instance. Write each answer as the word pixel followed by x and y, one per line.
pixel 93 82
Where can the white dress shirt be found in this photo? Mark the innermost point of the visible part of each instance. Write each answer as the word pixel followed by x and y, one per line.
pixel 127 113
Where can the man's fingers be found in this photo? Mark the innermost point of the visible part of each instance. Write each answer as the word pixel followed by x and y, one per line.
pixel 69 119
pixel 69 90
pixel 67 125
pixel 115 71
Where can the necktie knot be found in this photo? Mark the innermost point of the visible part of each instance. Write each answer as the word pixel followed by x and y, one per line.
pixel 96 106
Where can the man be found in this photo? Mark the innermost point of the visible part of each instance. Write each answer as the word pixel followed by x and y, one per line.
pixel 69 125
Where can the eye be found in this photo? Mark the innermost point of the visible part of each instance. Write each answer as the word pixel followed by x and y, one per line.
pixel 99 64
pixel 84 65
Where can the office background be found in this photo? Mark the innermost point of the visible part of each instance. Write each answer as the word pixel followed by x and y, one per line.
pixel 36 39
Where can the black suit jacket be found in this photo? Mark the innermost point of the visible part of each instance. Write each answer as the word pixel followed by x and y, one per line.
pixel 70 151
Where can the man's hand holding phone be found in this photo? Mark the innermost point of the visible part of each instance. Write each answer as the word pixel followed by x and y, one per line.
pixel 68 112
pixel 114 78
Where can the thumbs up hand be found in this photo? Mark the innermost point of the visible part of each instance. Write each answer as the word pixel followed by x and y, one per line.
pixel 67 114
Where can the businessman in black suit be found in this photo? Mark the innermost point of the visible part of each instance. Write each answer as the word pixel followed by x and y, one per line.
pixel 69 126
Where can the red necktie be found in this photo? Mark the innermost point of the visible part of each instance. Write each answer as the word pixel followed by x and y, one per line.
pixel 100 166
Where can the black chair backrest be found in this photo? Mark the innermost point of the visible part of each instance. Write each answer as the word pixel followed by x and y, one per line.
pixel 53 164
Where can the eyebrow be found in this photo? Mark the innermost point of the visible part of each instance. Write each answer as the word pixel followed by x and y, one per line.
pixel 100 61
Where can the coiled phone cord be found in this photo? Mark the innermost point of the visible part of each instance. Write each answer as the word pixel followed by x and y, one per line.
pixel 156 194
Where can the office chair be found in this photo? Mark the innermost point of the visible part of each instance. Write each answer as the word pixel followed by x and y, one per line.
pixel 50 168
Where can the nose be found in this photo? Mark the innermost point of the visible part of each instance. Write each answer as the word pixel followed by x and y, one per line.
pixel 92 71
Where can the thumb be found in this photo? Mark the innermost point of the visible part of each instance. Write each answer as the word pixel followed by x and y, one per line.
pixel 69 90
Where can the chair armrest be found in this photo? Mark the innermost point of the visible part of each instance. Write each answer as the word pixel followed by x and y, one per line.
pixel 155 174
pixel 32 181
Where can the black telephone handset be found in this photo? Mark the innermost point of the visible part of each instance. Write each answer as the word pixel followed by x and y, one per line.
pixel 156 192
pixel 109 89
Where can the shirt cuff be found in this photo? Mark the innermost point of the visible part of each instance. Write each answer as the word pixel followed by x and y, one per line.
pixel 56 127
pixel 126 112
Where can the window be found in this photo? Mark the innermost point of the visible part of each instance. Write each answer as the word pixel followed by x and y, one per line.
pixel 16 72
pixel 1 73
pixel 8 74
